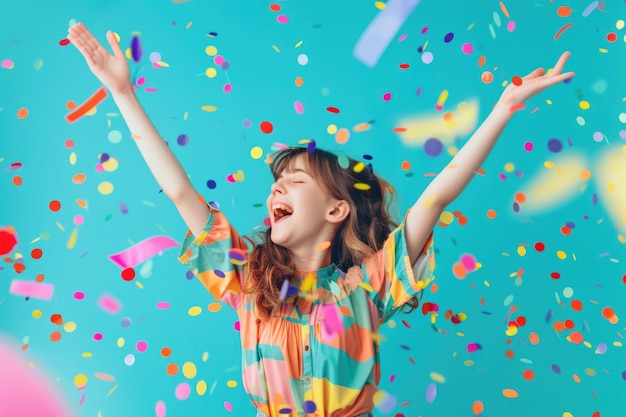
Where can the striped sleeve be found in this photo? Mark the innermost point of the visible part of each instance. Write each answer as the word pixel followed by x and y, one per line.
pixel 216 257
pixel 392 278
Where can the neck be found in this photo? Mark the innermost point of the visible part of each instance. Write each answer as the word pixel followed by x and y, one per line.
pixel 311 261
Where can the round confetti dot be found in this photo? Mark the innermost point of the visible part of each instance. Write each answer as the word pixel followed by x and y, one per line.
pixel 448 38
pixel 115 136
pixel 486 77
pixel 22 113
pixel 54 205
pixel 210 72
pixel 125 322
pixel 555 145
pixel 433 147
pixel 105 188
pixel 528 375
pixel 162 305
pixel 427 58
pixel 56 319
pixel 128 274
pixel 478 407
pixel 584 104
pixel 256 152
pixel 79 295
pixel 598 136
pixel 282 19
pixel 80 380
pixel 171 369
pixel 231 383
pixel 129 359
pixel 182 140
pixel 564 11
pixel 214 307
pixel 266 127
pixel 97 337
pixel 467 48
pixel 182 391
pixel 36 253
pixel 386 96
pixel 516 80
pixel 342 136
pixel 211 184
pixel 210 50
pixel 309 407
pixel 141 346
pixel 7 63
pixel 303 59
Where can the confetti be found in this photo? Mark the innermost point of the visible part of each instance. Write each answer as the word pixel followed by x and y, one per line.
pixel 142 251
pixel 379 33
pixel 84 108
pixel 38 290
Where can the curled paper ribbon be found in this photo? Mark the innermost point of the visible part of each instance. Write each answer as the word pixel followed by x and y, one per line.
pixel 142 251
pixel 381 30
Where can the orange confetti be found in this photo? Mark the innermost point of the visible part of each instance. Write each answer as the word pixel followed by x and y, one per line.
pixel 510 393
pixel 564 11
pixel 607 312
pixel 577 305
pixel 171 369
pixel 166 352
pixel 91 102
pixel 533 338
pixel 576 337
pixel 528 375
pixel 22 113
pixel 478 407
pixel 504 10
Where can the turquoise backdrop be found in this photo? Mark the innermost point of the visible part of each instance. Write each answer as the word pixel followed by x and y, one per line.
pixel 536 327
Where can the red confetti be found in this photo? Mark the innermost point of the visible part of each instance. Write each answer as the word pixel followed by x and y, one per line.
pixel 7 242
pixel 55 205
pixel 517 80
pixel 128 274
pixel 555 275
pixel 64 42
pixel 539 247
pixel 36 253
pixel 332 109
pixel 404 66
pixel 266 127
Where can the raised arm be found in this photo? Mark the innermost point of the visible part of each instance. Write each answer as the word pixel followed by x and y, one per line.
pixel 113 71
pixel 449 183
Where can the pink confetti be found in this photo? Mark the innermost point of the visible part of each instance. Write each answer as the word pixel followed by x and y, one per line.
pixel 142 251
pixel 163 305
pixel 109 304
pixel 228 406
pixel 182 391
pixel 473 347
pixel 39 290
pixel 160 409
pixel 332 323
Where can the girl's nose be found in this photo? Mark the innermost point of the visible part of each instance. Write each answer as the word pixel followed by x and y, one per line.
pixel 277 187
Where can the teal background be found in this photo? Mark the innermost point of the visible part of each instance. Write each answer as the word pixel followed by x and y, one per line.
pixel 263 89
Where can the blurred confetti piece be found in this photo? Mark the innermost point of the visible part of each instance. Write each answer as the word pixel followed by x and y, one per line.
pixel 375 39
pixel 160 409
pixel 552 186
pixel 135 49
pixel 416 130
pixel 332 323
pixel 611 184
pixel 109 304
pixel 142 251
pixel 7 240
pixel 431 393
pixel 91 102
pixel 38 290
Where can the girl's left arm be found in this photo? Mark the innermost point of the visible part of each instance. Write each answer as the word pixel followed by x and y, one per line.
pixel 451 181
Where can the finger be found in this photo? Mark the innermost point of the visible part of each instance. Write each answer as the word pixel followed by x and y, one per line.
pixel 115 46
pixel 536 73
pixel 558 68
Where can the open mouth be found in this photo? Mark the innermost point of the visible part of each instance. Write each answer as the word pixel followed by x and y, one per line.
pixel 281 212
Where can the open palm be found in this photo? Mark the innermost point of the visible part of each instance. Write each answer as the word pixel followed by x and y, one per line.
pixel 112 70
pixel 535 82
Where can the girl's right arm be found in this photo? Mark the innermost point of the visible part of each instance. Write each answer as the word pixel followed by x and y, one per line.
pixel 113 71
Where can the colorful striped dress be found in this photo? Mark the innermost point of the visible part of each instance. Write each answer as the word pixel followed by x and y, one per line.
pixel 320 355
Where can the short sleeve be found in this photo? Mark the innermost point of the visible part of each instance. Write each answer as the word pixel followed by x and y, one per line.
pixel 216 257
pixel 392 278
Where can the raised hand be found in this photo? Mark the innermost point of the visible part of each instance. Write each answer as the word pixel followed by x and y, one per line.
pixel 112 70
pixel 535 82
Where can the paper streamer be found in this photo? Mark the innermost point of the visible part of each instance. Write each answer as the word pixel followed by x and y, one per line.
pixel 381 30
pixel 32 289
pixel 142 251
pixel 91 102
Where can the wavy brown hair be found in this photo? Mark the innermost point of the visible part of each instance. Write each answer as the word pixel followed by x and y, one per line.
pixel 360 235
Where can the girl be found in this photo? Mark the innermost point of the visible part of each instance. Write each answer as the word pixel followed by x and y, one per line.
pixel 329 271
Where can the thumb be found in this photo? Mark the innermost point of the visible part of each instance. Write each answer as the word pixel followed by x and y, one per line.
pixel 115 46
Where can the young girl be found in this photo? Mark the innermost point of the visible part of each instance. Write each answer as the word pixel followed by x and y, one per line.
pixel 329 271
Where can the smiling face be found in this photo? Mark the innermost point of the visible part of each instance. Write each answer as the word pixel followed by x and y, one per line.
pixel 302 212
